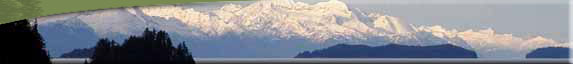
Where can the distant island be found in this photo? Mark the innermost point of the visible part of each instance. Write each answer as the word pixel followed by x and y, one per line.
pixel 549 52
pixel 79 53
pixel 389 51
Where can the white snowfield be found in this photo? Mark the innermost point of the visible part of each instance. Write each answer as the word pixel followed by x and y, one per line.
pixel 334 20
pixel 325 22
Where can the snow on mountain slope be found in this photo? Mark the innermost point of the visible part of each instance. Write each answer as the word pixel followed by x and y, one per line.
pixel 282 18
pixel 118 23
pixel 488 44
pixel 324 22
pixel 334 20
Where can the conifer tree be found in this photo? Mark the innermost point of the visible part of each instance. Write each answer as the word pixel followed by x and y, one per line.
pixel 151 47
pixel 22 42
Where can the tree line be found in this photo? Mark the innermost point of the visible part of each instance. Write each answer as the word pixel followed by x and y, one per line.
pixel 152 47
pixel 20 43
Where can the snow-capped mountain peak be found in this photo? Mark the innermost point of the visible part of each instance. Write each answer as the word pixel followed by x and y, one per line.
pixel 333 20
pixel 282 18
pixel 324 22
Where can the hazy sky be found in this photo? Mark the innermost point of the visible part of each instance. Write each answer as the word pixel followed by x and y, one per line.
pixel 525 18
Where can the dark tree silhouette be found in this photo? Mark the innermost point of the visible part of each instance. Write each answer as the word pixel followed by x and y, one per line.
pixel 182 55
pixel 22 44
pixel 104 53
pixel 152 47
pixel 86 62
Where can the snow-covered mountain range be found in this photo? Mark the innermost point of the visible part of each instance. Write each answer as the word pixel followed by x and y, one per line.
pixel 282 28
